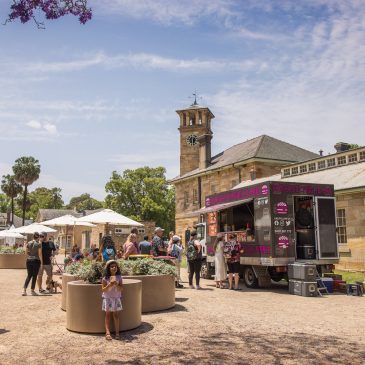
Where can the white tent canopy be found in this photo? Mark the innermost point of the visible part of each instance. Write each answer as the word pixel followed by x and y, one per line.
pixel 34 227
pixel 66 220
pixel 11 234
pixel 108 216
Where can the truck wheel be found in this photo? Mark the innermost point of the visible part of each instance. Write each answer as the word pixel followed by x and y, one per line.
pixel 249 277
pixel 205 272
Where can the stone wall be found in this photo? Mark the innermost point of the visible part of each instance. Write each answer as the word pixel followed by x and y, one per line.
pixel 352 255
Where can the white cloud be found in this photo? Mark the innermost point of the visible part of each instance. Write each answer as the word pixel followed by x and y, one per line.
pixel 34 124
pixel 50 128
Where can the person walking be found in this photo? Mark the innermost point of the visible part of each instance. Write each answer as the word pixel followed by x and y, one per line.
pixel 175 250
pixel 48 250
pixel 158 245
pixel 145 246
pixel 111 287
pixel 194 257
pixel 34 261
pixel 219 263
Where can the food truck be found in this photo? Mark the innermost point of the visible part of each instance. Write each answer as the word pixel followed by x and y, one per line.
pixel 276 223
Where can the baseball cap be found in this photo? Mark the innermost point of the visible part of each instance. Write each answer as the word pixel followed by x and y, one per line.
pixel 159 229
pixel 176 238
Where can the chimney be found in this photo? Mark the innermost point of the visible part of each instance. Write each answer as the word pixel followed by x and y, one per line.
pixel 342 146
pixel 321 152
pixel 205 153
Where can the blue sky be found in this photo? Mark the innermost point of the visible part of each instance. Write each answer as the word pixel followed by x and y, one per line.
pixel 87 100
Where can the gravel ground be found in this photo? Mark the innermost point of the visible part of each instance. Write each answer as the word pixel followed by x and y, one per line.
pixel 210 326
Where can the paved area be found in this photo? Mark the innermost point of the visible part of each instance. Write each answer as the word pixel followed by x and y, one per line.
pixel 210 326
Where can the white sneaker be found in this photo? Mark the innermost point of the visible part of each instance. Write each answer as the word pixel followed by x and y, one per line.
pixel 198 287
pixel 24 294
pixel 191 287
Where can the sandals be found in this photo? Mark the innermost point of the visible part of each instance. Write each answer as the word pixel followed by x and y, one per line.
pixel 108 337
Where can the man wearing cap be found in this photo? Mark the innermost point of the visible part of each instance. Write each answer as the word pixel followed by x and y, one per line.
pixel 158 247
pixel 48 250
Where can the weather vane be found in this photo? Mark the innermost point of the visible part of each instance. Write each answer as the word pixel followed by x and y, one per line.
pixel 195 96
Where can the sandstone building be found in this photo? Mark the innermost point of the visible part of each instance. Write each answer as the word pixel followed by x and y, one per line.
pixel 202 174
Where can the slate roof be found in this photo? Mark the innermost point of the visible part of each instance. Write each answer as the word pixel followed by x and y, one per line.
pixel 47 214
pixel 342 177
pixel 262 147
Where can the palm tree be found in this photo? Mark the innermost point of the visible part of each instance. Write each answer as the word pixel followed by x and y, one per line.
pixel 26 171
pixel 12 189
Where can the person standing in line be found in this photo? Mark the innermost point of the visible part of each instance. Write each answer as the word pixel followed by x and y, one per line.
pixel 111 287
pixel 232 248
pixel 129 246
pixel 194 257
pixel 175 250
pixel 48 250
pixel 158 245
pixel 219 263
pixel 34 261
pixel 145 246
pixel 135 231
pixel 108 250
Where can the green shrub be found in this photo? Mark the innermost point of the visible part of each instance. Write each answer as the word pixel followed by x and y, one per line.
pixel 7 250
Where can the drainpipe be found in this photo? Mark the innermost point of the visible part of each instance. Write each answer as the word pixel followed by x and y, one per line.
pixel 200 191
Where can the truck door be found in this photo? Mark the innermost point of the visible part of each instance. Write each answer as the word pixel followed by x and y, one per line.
pixel 325 213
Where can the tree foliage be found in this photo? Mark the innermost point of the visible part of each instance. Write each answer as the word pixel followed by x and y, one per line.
pixel 142 194
pixel 4 203
pixel 12 189
pixel 52 9
pixel 26 171
pixel 84 202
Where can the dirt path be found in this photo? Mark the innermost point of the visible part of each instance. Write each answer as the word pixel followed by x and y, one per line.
pixel 210 326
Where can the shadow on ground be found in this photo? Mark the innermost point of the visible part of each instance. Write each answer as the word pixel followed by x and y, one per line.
pixel 176 308
pixel 254 348
pixel 3 330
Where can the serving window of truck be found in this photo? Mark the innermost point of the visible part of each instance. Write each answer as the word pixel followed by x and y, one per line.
pixel 278 220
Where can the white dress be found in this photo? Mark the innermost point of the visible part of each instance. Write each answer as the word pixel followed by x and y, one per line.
pixel 220 265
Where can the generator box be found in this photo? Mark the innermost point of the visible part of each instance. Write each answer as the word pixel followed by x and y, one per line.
pixel 303 288
pixel 302 271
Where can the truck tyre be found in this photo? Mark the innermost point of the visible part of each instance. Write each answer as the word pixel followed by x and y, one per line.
pixel 249 277
pixel 206 271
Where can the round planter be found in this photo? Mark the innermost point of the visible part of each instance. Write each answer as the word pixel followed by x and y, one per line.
pixel 13 261
pixel 66 278
pixel 158 292
pixel 84 302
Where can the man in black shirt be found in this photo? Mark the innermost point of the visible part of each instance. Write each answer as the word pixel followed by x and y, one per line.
pixel 48 250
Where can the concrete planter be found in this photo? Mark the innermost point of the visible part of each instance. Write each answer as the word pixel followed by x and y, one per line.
pixel 66 278
pixel 13 261
pixel 158 292
pixel 84 302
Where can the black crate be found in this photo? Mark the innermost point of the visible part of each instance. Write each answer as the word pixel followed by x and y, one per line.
pixel 306 252
pixel 302 271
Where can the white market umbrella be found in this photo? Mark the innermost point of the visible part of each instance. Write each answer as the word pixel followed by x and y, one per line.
pixel 34 227
pixel 108 216
pixel 11 234
pixel 67 220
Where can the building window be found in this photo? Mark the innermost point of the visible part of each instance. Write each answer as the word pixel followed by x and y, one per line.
pixel 294 170
pixel 331 162
pixel 195 196
pixel 341 226
pixel 303 169
pixel 186 198
pixel 312 167
pixel 341 160
pixel 353 157
pixel 362 155
pixel 286 172
pixel 321 165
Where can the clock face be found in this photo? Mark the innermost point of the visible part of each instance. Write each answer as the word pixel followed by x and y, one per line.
pixel 192 140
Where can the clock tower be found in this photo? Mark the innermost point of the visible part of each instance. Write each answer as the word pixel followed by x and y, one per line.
pixel 195 137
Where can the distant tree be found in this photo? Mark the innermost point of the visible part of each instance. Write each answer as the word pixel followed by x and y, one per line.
pixel 43 198
pixel 12 189
pixel 52 9
pixel 26 171
pixel 354 145
pixel 4 203
pixel 84 202
pixel 143 194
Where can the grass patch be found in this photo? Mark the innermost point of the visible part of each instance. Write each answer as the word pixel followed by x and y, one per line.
pixel 351 277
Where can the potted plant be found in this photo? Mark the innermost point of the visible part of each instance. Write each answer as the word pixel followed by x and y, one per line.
pixel 12 258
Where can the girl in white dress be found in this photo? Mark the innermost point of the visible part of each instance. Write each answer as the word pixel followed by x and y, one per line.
pixel 220 266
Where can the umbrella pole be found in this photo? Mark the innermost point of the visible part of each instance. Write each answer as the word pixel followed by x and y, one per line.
pixel 66 240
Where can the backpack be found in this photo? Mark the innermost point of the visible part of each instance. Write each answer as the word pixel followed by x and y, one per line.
pixel 191 252
pixel 174 252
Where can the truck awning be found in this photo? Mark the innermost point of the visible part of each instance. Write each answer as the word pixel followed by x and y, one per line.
pixel 218 207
